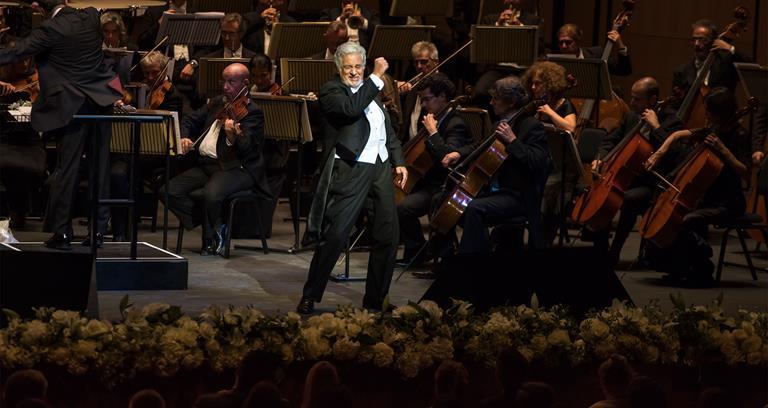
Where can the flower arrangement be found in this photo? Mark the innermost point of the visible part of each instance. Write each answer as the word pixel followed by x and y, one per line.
pixel 159 339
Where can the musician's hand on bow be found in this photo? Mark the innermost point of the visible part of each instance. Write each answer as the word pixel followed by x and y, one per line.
pixel 616 38
pixel 401 176
pixel 450 159
pixel 186 145
pixel 716 144
pixel 430 123
pixel 232 130
pixel 650 117
pixel 6 88
pixel 505 133
pixel 651 162
pixel 757 158
pixel 403 87
pixel 596 164
pixel 187 72
pixel 719 44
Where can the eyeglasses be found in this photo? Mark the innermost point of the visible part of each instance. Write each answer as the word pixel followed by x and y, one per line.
pixel 565 41
pixel 227 34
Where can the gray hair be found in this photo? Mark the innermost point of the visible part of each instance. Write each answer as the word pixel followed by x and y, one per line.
pixel 237 18
pixel 510 90
pixel 154 57
pixel 424 46
pixel 112 17
pixel 348 48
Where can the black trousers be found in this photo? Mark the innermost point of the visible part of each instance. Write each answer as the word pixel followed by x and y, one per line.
pixel 71 141
pixel 637 200
pixel 409 210
pixel 213 185
pixel 353 185
pixel 483 212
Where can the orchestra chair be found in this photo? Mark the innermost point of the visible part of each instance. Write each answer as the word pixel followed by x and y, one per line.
pixel 509 236
pixel 741 225
pixel 478 120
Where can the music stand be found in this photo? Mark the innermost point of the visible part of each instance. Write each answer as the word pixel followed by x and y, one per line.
pixel 592 76
pixel 311 5
pixel 489 6
pixel 422 8
pixel 565 157
pixel 395 41
pixel 209 78
pixel 190 29
pixel 230 6
pixel 158 139
pixel 754 79
pixel 286 119
pixel 296 40
pixel 310 74
pixel 514 44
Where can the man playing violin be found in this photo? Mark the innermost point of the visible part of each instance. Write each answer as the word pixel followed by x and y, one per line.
pixel 162 93
pixel 425 58
pixel 226 138
pixel 724 201
pixel 637 199
pixel 516 188
pixel 446 134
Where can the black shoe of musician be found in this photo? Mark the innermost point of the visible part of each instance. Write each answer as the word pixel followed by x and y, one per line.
pixel 59 241
pixel 99 240
pixel 306 306
pixel 209 247
pixel 220 239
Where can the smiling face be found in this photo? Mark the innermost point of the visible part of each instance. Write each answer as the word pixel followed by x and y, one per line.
pixel 352 69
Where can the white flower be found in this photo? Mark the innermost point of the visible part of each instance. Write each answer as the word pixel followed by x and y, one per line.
pixel 153 309
pixel 539 343
pixel 316 346
pixel 345 349
pixel 432 308
pixel 559 338
pixel 34 332
pixel 404 311
pixel 96 328
pixel 382 354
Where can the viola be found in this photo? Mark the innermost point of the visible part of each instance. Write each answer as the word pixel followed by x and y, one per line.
pixel 691 111
pixel 157 96
pixel 596 208
pixel 417 158
pixel 481 165
pixel 701 168
pixel 29 85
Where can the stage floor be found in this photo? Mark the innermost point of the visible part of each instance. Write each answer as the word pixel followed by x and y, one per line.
pixel 273 282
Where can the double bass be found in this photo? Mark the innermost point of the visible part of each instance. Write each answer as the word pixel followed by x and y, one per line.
pixel 480 166
pixel 691 111
pixel 417 158
pixel 696 174
pixel 611 112
pixel 596 208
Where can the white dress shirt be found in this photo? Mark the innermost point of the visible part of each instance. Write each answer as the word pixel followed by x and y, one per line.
pixel 238 53
pixel 377 139
pixel 208 145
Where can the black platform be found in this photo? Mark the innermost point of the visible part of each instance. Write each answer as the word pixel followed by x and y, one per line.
pixel 153 269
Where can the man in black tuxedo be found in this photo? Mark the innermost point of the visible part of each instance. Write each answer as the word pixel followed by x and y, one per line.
pixel 569 42
pixel 360 151
pixel 73 80
pixel 704 41
pixel 228 159
pixel 637 199
pixel 447 133
pixel 517 186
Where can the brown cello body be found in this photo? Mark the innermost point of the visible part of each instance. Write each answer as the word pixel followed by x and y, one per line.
pixel 599 205
pixel 418 161
pixel 662 223
pixel 756 204
pixel 610 113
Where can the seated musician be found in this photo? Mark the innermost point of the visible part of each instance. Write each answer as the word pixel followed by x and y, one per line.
pixel 569 42
pixel 146 27
pixel 335 35
pixel 724 201
pixel 260 22
pixel 515 12
pixel 425 57
pixel 114 33
pixel 760 135
pixel 360 21
pixel 275 151
pixel 447 133
pixel 227 156
pixel 704 41
pixel 546 81
pixel 162 95
pixel 516 188
pixel 637 199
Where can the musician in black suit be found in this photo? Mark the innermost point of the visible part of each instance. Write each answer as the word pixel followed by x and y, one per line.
pixel 637 199
pixel 73 80
pixel 361 21
pixel 425 57
pixel 569 42
pixel 335 35
pixel 446 133
pixel 722 72
pixel 228 159
pixel 260 23
pixel 360 151
pixel 517 186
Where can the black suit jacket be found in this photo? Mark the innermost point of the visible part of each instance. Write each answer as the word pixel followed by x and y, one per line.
pixel 365 35
pixel 452 134
pixel 621 65
pixel 71 66
pixel 723 72
pixel 408 102
pixel 346 127
pixel 246 152
pixel 254 35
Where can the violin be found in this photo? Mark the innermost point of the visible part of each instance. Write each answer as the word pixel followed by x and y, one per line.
pixel 29 85
pixel 701 168
pixel 417 158
pixel 481 165
pixel 691 111
pixel 596 208
pixel 236 110
pixel 157 96
pixel 609 113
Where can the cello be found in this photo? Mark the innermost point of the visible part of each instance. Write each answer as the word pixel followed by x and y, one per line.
pixel 481 165
pixel 691 111
pixel 609 113
pixel 696 174
pixel 417 158
pixel 596 208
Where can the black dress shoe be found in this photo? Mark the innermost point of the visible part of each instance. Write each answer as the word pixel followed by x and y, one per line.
pixel 220 239
pixel 208 248
pixel 59 241
pixel 99 240
pixel 306 306
pixel 424 274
